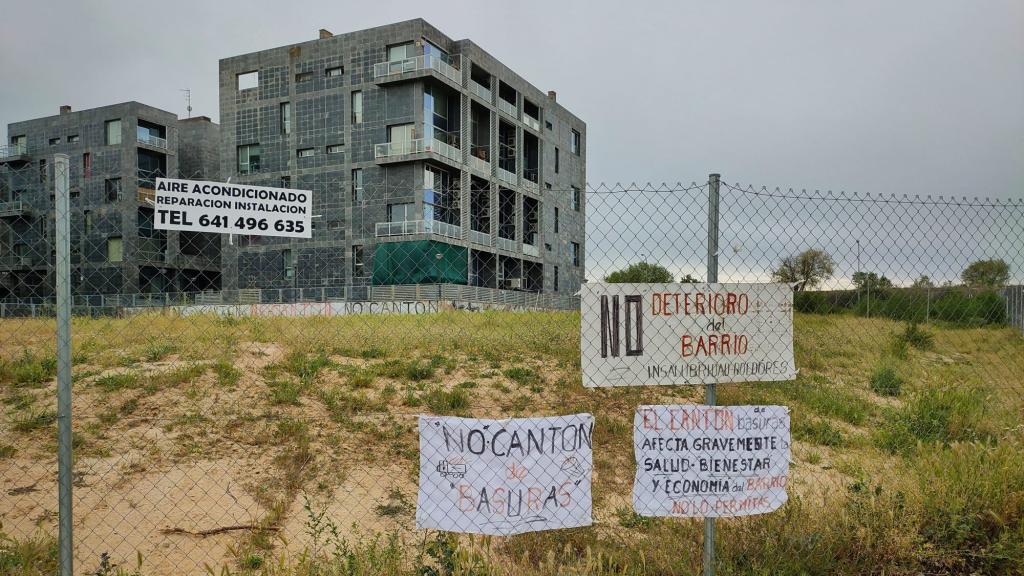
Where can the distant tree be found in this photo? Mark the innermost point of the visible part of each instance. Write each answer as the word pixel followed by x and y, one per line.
pixel 810 268
pixel 870 281
pixel 689 279
pixel 641 272
pixel 994 273
pixel 923 282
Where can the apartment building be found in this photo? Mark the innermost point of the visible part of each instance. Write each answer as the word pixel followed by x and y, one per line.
pixel 115 155
pixel 429 161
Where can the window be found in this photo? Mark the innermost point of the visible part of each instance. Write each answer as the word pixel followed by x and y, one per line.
pixel 112 132
pixel 303 76
pixel 357 261
pixel 289 263
pixel 335 72
pixel 574 144
pixel 42 170
pixel 286 117
pixel 556 279
pixel 306 152
pixel 115 249
pixel 54 141
pixel 86 164
pixel 575 254
pixel 357 107
pixel 87 224
pixel 547 185
pixel 248 158
pixel 73 139
pixel 286 181
pixel 111 189
pixel 575 198
pixel 357 185
pixel 400 137
pixel 400 52
pixel 144 222
pixel 547 124
pixel 401 212
pixel 335 149
pixel 248 80
pixel 557 155
pixel 556 219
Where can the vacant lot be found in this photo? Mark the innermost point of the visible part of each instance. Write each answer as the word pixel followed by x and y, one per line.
pixel 289 446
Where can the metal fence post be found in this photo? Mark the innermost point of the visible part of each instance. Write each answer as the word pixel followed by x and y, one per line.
pixel 709 390
pixel 62 267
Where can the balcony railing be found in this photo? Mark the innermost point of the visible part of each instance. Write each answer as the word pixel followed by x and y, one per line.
pixel 506 176
pixel 13 152
pixel 418 145
pixel 411 227
pixel 154 141
pixel 531 250
pixel 507 107
pixel 478 89
pixel 478 237
pixel 13 208
pixel 146 196
pixel 150 255
pixel 479 164
pixel 417 63
pixel 531 122
pixel 506 244
pixel 12 262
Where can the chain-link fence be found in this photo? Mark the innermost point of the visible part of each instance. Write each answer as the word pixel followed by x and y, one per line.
pixel 253 404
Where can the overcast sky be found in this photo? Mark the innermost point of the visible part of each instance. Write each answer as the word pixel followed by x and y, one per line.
pixel 908 97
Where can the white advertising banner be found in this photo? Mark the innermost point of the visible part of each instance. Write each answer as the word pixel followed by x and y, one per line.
pixel 710 461
pixel 503 477
pixel 654 334
pixel 200 206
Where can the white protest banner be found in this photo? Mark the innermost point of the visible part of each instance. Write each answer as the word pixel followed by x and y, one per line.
pixel 505 477
pixel 200 206
pixel 651 334
pixel 710 461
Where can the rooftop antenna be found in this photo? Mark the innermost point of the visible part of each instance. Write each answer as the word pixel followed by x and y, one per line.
pixel 188 100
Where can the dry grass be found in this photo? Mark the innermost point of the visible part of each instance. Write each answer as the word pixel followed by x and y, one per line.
pixel 318 408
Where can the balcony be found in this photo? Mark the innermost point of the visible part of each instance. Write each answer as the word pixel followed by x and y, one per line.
pixel 531 122
pixel 506 177
pixel 12 262
pixel 479 91
pixel 507 107
pixel 14 209
pixel 400 69
pixel 391 150
pixel 506 244
pixel 15 153
pixel 477 237
pixel 414 227
pixel 154 141
pixel 531 250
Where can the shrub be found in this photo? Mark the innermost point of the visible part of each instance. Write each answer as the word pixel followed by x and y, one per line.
pixel 522 375
pixel 444 402
pixel 886 381
pixel 119 381
pixel 28 369
pixel 936 416
pixel 917 337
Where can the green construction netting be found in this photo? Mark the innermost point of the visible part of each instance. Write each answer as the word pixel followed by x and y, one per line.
pixel 419 262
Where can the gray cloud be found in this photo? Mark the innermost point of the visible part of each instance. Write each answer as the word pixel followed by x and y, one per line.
pixel 920 97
